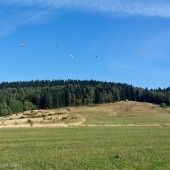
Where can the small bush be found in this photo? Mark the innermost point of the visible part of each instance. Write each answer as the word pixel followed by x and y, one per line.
pixel 42 115
pixel 4 112
pixel 163 105
pixel 64 118
pixel 22 117
pixel 30 122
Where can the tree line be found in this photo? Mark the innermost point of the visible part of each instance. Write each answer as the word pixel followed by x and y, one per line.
pixel 29 95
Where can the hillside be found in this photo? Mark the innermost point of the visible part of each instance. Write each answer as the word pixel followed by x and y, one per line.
pixel 114 114
pixel 24 96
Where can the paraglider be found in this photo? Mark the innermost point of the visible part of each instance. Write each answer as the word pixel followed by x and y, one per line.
pixel 22 45
pixel 72 56
pixel 95 55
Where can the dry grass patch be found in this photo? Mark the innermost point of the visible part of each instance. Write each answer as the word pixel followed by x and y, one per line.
pixel 39 117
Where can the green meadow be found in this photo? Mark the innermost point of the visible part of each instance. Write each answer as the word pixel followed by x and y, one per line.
pixel 108 148
pixel 144 120
pixel 117 136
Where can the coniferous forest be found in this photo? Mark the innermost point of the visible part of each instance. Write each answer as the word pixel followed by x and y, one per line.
pixel 28 95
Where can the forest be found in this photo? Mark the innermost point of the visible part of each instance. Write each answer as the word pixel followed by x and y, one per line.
pixel 48 94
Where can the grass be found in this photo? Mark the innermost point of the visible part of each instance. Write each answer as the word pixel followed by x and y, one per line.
pixel 82 148
pixel 161 120
pixel 118 113
pixel 92 148
pixel 124 113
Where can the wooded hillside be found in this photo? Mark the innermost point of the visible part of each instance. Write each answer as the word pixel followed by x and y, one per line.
pixel 20 96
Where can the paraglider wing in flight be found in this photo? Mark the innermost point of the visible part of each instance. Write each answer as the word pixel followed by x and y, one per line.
pixel 71 55
pixel 22 45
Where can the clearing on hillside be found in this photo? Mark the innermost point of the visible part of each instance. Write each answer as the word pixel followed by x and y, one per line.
pixel 112 114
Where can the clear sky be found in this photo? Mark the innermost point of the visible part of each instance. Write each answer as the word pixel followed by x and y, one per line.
pixel 131 39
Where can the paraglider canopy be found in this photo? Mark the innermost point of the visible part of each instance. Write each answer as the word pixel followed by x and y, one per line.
pixel 22 45
pixel 55 45
pixel 71 55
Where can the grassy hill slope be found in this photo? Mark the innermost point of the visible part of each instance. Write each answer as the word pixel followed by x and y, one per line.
pixel 112 114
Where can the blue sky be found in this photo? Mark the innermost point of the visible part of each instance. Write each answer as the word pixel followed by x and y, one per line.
pixel 130 37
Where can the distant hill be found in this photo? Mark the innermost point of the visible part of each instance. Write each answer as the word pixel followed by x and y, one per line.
pixel 21 96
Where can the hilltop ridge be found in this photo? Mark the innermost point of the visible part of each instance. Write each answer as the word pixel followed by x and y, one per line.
pixel 23 96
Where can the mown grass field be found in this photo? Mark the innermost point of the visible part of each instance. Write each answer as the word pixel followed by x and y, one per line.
pixel 87 142
pixel 150 120
pixel 108 148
